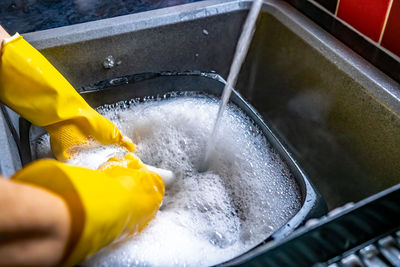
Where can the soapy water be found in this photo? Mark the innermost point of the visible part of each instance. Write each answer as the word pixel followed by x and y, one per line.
pixel 206 217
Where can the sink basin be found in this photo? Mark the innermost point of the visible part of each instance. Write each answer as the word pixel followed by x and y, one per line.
pixel 338 114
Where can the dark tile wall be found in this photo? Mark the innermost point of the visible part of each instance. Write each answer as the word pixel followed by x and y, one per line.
pixel 370 27
pixel 35 15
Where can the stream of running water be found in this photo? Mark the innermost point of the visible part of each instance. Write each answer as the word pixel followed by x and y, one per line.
pixel 240 54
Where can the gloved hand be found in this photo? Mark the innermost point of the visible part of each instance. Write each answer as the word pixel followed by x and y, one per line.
pixel 32 87
pixel 120 198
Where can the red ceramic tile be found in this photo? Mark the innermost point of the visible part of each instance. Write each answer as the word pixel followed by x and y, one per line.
pixel 391 36
pixel 367 16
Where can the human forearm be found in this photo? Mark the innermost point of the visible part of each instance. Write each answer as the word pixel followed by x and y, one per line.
pixel 34 225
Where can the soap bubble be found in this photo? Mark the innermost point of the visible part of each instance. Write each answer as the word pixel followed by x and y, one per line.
pixel 207 217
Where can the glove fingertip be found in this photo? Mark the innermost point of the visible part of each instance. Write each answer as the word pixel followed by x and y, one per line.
pixel 128 144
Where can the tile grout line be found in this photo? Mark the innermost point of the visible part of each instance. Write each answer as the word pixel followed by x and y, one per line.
pixel 337 7
pixel 389 8
pixel 348 25
pixel 320 6
pixel 366 38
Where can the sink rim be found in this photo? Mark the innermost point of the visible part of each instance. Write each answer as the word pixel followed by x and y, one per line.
pixel 376 83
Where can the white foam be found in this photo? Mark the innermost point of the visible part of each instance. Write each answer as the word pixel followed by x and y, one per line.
pixel 210 217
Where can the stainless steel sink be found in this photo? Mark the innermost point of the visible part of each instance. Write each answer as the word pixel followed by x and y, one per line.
pixel 338 114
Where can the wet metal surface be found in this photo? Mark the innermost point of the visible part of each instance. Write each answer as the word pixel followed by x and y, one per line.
pixel 336 113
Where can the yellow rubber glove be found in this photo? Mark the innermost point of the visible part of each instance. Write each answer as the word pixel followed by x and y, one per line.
pixel 104 204
pixel 32 87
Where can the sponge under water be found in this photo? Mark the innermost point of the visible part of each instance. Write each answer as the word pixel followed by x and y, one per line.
pixel 207 217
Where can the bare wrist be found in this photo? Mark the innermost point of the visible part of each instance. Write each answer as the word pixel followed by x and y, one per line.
pixel 3 35
pixel 34 225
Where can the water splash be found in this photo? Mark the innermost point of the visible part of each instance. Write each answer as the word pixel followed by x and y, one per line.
pixel 240 54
